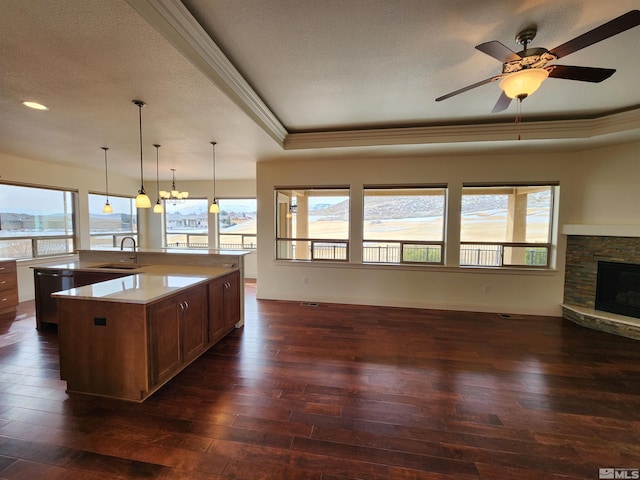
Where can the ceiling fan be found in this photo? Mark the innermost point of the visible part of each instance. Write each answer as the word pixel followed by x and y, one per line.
pixel 523 72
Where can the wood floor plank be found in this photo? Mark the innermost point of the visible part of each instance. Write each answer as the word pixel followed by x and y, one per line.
pixel 338 392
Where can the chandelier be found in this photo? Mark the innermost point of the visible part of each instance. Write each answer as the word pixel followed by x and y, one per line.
pixel 174 193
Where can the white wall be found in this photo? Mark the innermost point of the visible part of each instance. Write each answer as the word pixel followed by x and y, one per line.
pixel 610 194
pixel 591 184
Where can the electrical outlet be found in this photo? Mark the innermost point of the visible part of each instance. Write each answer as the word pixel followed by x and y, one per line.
pixel 487 289
pixel 305 280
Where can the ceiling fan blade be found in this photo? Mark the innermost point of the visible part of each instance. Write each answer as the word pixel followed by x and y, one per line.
pixel 467 88
pixel 502 104
pixel 583 74
pixel 617 25
pixel 498 51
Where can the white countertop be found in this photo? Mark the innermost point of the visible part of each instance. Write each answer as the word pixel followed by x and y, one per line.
pixel 142 285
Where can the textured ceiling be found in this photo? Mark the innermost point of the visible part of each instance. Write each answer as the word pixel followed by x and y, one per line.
pixel 336 64
pixel 321 66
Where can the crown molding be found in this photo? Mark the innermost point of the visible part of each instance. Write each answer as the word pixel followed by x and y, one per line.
pixel 549 130
pixel 172 19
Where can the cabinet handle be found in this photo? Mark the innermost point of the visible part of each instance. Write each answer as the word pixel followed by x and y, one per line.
pixel 2 268
pixel 4 300
pixel 3 282
pixel 181 306
pixel 186 305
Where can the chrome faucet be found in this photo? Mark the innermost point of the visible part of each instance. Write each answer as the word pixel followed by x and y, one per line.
pixel 135 252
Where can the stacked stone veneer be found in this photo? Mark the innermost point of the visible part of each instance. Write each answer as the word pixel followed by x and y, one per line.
pixel 583 254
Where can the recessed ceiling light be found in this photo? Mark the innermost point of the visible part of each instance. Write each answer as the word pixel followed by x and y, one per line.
pixel 35 105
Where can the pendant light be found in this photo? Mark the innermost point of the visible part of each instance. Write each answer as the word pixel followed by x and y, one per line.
pixel 157 208
pixel 107 207
pixel 214 204
pixel 142 200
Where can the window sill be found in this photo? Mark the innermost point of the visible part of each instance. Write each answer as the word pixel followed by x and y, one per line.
pixel 419 268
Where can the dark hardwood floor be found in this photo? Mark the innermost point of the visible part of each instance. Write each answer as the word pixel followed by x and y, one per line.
pixel 338 392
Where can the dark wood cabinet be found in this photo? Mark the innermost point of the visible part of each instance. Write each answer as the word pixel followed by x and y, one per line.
pixel 224 305
pixel 129 350
pixel 193 311
pixel 177 332
pixel 165 355
pixel 8 286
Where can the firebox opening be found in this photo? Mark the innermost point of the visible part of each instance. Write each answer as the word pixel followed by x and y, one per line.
pixel 618 288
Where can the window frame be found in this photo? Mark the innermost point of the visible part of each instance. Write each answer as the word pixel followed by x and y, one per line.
pixel 116 235
pixel 399 188
pixel 315 257
pixel 188 235
pixel 71 239
pixel 242 245
pixel 500 247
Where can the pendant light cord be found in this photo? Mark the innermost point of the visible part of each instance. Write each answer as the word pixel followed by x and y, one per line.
pixel 213 146
pixel 157 167
pixel 106 172
pixel 140 128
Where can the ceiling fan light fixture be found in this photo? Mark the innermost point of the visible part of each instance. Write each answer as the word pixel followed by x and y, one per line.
pixel 523 83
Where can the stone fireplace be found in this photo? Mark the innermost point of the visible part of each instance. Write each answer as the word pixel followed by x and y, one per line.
pixel 615 255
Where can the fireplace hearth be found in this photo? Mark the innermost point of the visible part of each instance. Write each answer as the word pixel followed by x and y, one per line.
pixel 618 288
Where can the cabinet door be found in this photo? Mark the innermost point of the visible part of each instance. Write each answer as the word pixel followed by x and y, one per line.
pixel 192 306
pixel 164 340
pixel 232 300
pixel 216 310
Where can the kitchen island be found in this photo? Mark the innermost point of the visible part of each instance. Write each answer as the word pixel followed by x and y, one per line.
pixel 126 337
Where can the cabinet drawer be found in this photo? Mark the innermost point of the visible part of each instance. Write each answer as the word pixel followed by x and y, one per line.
pixel 8 299
pixel 8 282
pixel 8 285
pixel 8 267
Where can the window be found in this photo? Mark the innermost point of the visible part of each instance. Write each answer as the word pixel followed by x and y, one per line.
pixel 187 223
pixel 403 225
pixel 237 223
pixel 312 224
pixel 108 229
pixel 36 222
pixel 506 225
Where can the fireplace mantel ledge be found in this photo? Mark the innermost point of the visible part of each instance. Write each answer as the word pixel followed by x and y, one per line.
pixel 601 230
pixel 604 321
